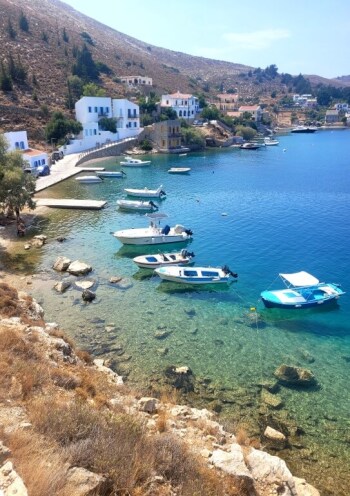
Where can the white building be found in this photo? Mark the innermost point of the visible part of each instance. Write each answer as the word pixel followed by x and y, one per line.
pixel 186 106
pixel 137 80
pixel 89 111
pixel 18 141
pixel 341 107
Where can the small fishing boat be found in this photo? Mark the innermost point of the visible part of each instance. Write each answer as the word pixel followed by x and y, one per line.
pixel 182 257
pixel 250 146
pixel 112 174
pixel 88 179
pixel 146 193
pixel 179 170
pixel 270 141
pixel 134 162
pixel 303 290
pixel 154 234
pixel 196 275
pixel 146 206
pixel 304 129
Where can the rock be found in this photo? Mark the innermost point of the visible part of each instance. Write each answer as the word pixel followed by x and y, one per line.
pixel 180 377
pixel 41 237
pixel 191 312
pixel 37 243
pixel 269 471
pixel 60 239
pixel 148 405
pixel 124 284
pixel 295 376
pixel 162 334
pixel 306 355
pixel 163 351
pixel 61 286
pixel 115 279
pixel 78 268
pixel 84 284
pixel 10 482
pixel 62 264
pixel 271 399
pixel 232 462
pixel 100 365
pixel 274 435
pixel 81 482
pixel 305 489
pixel 88 295
pixel 5 452
pixel 27 246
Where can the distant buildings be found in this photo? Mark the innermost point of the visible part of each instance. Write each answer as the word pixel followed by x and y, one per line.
pixel 254 110
pixel 17 140
pixel 134 81
pixel 90 112
pixel 185 105
pixel 227 102
pixel 332 116
pixel 304 101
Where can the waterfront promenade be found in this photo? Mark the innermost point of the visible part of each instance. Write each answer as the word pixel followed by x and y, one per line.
pixel 59 171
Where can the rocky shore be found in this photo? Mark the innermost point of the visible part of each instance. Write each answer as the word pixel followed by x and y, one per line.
pixel 51 393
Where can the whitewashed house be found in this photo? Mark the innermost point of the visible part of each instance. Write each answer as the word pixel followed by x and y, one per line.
pixel 137 80
pixel 186 106
pixel 17 140
pixel 342 107
pixel 89 111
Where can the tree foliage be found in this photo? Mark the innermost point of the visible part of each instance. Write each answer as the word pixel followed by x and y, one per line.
pixel 23 22
pixel 11 31
pixel 5 79
pixel 247 132
pixel 60 126
pixel 108 124
pixel 85 67
pixel 16 187
pixel 92 89
pixel 210 113
pixel 192 137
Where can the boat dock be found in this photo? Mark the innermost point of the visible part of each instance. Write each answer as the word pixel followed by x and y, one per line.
pixel 70 203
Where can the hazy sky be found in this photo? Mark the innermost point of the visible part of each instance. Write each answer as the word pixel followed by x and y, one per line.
pixel 302 36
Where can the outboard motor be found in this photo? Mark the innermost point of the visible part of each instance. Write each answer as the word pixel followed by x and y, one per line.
pixel 162 193
pixel 188 232
pixel 185 253
pixel 227 270
pixel 153 205
pixel 123 172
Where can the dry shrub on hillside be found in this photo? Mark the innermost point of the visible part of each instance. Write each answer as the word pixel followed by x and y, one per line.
pixel 42 466
pixel 9 301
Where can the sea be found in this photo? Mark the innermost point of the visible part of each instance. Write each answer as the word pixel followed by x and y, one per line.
pixel 277 209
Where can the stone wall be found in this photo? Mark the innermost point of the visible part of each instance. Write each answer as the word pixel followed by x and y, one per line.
pixel 108 151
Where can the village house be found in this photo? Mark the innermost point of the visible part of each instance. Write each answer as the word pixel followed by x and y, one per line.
pixel 227 102
pixel 137 81
pixel 89 111
pixel 166 135
pixel 342 107
pixel 186 106
pixel 332 116
pixel 254 110
pixel 18 140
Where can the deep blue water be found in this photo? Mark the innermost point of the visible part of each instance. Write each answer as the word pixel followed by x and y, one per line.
pixel 286 208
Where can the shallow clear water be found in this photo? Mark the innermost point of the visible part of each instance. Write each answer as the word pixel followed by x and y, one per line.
pixel 286 208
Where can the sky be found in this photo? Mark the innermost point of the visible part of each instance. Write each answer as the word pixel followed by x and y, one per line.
pixel 300 36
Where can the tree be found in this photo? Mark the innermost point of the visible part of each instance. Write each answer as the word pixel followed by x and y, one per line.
pixel 168 113
pixel 11 31
pixel 65 36
pixel 16 187
pixel 85 66
pixel 192 137
pixel 23 22
pixel 108 124
pixel 59 127
pixel 5 79
pixel 210 113
pixel 246 132
pixel 91 89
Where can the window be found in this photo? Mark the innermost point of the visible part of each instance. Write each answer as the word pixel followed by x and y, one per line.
pixel 22 145
pixel 180 113
pixel 42 161
pixel 107 110
pixel 95 132
pixel 35 163
pixel 86 132
pixel 134 112
pixel 17 145
pixel 90 109
pixel 101 110
pixel 184 113
pixel 95 109
pixel 135 124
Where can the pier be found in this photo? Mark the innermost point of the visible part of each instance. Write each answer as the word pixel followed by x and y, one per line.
pixel 70 203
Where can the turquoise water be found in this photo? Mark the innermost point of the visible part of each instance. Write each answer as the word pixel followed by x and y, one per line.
pixel 286 208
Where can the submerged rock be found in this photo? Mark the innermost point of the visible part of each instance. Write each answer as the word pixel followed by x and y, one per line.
pixel 88 295
pixel 62 286
pixel 180 377
pixel 78 268
pixel 289 375
pixel 84 284
pixel 271 399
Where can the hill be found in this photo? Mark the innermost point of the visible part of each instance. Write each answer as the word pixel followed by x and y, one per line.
pixel 43 38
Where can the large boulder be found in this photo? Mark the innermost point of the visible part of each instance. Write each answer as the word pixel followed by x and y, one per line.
pixel 84 483
pixel 288 375
pixel 78 268
pixel 61 286
pixel 10 482
pixel 62 264
pixel 232 462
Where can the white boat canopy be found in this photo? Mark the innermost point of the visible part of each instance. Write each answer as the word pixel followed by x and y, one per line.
pixel 299 279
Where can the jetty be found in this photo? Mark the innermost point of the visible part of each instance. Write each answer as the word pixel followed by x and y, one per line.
pixel 70 203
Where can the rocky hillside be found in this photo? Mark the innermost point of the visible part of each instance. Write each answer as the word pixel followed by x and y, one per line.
pixel 70 426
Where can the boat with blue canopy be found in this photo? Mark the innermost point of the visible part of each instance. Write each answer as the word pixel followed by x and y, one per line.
pixel 303 290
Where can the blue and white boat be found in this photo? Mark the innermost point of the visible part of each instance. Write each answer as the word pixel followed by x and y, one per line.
pixel 195 275
pixel 303 290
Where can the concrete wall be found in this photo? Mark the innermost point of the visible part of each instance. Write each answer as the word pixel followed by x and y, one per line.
pixel 109 151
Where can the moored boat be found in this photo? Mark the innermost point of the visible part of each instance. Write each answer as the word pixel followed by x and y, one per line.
pixel 250 146
pixel 154 234
pixel 146 206
pixel 146 193
pixel 303 290
pixel 270 141
pixel 154 261
pixel 179 170
pixel 134 162
pixel 196 275
pixel 304 129
pixel 88 179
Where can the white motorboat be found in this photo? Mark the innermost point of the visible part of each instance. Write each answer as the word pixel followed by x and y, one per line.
pixel 146 193
pixel 88 179
pixel 107 174
pixel 146 206
pixel 196 275
pixel 134 162
pixel 182 257
pixel 154 234
pixel 304 129
pixel 179 170
pixel 270 141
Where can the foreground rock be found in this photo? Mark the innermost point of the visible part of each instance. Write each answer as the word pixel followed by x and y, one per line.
pixel 289 375
pixel 10 482
pixel 62 264
pixel 78 268
pixel 88 295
